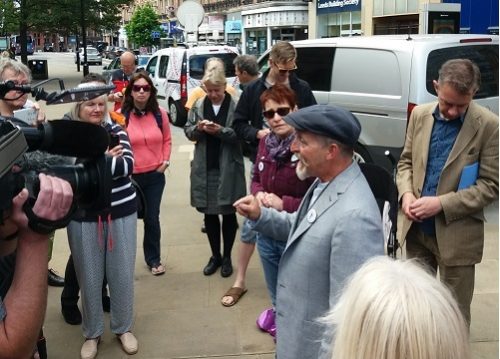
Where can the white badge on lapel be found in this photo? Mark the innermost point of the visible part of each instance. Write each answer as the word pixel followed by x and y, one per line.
pixel 261 166
pixel 311 215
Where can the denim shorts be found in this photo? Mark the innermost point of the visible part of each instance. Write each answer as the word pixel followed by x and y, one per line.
pixel 247 234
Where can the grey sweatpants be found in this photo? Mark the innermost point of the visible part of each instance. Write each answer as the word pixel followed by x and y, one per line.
pixel 94 257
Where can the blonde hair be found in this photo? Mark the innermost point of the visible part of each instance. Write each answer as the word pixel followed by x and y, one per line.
pixel 214 62
pixel 283 52
pixel 214 76
pixel 75 111
pixel 397 310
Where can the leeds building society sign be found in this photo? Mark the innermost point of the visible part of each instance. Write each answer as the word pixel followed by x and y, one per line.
pixel 327 6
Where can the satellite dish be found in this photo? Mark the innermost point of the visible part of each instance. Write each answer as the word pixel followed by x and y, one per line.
pixel 190 14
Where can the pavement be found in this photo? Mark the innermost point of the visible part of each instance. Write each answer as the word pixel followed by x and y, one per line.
pixel 179 315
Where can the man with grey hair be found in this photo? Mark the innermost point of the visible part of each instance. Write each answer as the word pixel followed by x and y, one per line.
pixel 246 68
pixel 447 174
pixel 121 77
pixel 20 74
pixel 335 230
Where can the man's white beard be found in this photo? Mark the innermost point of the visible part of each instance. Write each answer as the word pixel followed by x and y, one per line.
pixel 301 171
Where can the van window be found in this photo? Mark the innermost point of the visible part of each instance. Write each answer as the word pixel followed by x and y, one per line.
pixel 197 63
pixel 367 71
pixel 485 56
pixel 314 65
pixel 151 67
pixel 162 72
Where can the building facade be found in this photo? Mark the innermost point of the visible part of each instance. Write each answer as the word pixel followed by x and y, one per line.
pixel 255 25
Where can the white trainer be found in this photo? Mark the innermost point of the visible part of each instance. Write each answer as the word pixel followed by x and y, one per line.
pixel 89 349
pixel 129 343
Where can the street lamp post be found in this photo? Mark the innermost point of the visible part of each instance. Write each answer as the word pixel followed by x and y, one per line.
pixel 84 38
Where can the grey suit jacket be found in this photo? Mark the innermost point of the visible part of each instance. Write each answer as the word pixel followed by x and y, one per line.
pixel 341 230
pixel 460 226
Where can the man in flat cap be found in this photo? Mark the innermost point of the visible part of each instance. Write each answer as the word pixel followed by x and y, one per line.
pixel 336 229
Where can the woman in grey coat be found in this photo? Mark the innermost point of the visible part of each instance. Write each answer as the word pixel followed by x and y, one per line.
pixel 217 170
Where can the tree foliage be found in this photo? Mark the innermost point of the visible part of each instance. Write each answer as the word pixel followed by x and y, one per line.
pixel 58 16
pixel 143 22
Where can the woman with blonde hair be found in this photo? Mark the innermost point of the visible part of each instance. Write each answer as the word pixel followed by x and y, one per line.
pixel 395 309
pixel 217 170
pixel 103 242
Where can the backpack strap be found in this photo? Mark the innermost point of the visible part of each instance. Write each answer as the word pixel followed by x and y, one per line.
pixel 159 120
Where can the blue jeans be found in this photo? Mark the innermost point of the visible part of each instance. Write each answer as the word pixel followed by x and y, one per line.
pixel 152 184
pixel 270 251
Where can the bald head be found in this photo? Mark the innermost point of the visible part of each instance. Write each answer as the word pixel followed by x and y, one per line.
pixel 127 62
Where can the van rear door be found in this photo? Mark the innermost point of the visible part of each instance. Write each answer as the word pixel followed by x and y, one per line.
pixel 157 69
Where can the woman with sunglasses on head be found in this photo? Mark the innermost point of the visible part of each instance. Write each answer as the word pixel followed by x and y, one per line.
pixel 217 170
pixel 149 132
pixel 275 184
pixel 103 242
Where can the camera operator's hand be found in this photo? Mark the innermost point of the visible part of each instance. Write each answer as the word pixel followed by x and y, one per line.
pixel 40 114
pixel 116 151
pixel 53 201
pixel 26 299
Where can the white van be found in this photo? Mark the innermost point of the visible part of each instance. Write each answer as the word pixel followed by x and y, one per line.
pixel 175 71
pixel 381 78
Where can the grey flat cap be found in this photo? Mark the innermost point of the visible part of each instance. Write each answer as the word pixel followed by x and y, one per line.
pixel 329 121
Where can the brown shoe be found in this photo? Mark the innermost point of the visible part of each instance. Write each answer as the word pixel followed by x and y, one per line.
pixel 129 343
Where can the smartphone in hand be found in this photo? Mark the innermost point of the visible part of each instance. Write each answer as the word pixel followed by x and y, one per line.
pixel 114 140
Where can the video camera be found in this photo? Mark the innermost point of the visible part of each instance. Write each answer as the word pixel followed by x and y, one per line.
pixel 90 176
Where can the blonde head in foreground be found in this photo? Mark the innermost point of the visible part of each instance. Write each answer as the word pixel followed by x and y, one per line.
pixel 397 310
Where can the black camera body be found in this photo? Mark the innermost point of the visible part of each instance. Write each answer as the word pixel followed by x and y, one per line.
pixel 90 175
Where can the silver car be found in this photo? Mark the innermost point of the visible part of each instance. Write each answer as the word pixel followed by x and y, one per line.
pixel 93 56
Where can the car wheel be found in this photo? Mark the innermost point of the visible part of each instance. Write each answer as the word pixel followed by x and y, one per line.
pixel 177 114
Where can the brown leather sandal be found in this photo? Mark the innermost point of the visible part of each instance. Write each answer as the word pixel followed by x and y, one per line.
pixel 235 293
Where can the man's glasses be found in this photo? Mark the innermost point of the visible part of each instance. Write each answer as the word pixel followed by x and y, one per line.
pixel 281 111
pixel 137 88
pixel 285 71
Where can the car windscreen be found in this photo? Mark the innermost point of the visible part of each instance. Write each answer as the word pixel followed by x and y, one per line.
pixel 197 64
pixel 485 57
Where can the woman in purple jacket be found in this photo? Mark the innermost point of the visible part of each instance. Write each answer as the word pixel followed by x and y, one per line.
pixel 275 184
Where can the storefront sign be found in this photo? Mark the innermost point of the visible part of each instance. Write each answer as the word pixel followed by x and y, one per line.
pixel 173 29
pixel 233 27
pixel 211 23
pixel 328 6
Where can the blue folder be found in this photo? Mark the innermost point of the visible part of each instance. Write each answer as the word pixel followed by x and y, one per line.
pixel 468 176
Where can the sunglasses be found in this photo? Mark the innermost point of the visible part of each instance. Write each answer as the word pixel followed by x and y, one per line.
pixel 285 71
pixel 137 88
pixel 281 111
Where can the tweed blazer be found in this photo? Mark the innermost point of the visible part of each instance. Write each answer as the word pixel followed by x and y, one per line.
pixel 460 225
pixel 326 244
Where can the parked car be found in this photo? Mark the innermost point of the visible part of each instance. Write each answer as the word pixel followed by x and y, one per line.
pixel 107 51
pixel 108 69
pixel 93 56
pixel 117 52
pixel 380 79
pixel 140 61
pixel 175 71
pixel 48 47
